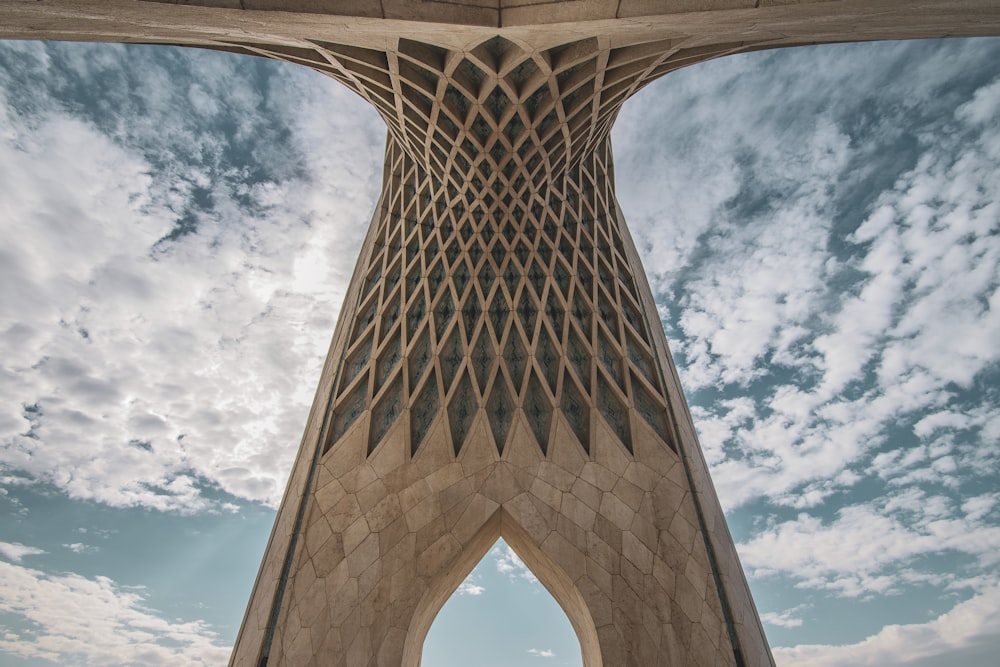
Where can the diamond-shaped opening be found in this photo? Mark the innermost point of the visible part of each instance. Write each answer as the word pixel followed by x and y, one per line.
pixel 366 315
pixel 461 277
pixel 498 253
pixel 472 312
pixel 545 253
pixel 556 315
pixel 653 411
pixel 487 232
pixel 419 357
pixel 538 100
pixel 415 316
pixel 388 360
pixel 642 361
pixel 500 412
pixel 606 312
pixel 413 251
pixel 632 316
pixel 527 313
pixel 614 411
pixel 432 250
pixel 423 411
pixel 547 358
pixel 562 278
pixel 515 358
pixel 610 359
pixel 566 247
pixel 345 414
pixel 482 129
pixel 465 232
pixel 576 410
pixel 538 411
pixel 514 128
pixel 374 276
pixel 579 358
pixel 469 77
pixel 521 251
pixel 451 357
pixel 509 232
pixel 452 252
pixel 499 312
pixel 581 313
pixel 461 411
pixel 446 229
pixel 586 278
pixel 355 363
pixel 604 277
pixel 443 312
pixel 625 278
pixel 458 105
pixel 390 315
pixel 536 278
pixel 385 412
pixel 486 277
pixel 483 356
pixel 511 278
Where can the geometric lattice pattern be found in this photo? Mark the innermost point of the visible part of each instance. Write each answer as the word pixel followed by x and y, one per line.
pixel 508 302
pixel 498 279
pixel 525 305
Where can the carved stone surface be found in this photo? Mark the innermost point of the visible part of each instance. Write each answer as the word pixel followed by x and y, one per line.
pixel 499 368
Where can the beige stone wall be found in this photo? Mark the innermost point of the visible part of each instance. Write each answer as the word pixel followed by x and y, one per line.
pixel 614 538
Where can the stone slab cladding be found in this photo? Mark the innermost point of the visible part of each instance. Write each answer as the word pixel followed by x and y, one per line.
pixel 499 368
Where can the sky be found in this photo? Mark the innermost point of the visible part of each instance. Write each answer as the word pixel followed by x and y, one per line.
pixel 821 230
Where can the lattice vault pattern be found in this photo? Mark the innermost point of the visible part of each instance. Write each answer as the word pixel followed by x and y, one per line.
pixel 498 280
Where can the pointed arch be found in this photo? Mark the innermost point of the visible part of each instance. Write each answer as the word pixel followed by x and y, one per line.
pixel 555 580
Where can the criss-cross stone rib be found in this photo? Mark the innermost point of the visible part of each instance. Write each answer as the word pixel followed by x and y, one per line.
pixel 499 369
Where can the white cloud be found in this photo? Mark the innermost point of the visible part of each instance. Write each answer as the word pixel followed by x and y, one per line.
pixel 509 563
pixel 542 653
pixel 15 551
pixel 70 619
pixel 189 364
pixel 864 336
pixel 470 587
pixel 788 618
pixel 81 548
pixel 871 549
pixel 966 636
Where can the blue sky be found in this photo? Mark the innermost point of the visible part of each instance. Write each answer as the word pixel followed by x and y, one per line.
pixel 821 229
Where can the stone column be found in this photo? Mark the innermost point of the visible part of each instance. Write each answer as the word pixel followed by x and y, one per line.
pixel 503 373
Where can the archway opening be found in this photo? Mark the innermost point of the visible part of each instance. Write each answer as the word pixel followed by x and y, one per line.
pixel 501 616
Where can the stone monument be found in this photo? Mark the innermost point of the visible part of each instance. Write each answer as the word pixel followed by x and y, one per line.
pixel 499 369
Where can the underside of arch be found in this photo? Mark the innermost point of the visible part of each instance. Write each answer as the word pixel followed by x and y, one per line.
pixel 555 580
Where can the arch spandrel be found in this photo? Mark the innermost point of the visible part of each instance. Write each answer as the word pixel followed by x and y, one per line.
pixel 387 540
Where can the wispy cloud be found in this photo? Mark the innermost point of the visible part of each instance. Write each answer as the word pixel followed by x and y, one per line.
pixel 968 635
pixel 15 551
pixel 170 284
pixel 789 618
pixel 470 587
pixel 510 564
pixel 542 653
pixel 70 619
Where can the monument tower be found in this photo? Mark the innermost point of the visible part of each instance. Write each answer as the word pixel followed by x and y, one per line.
pixel 499 368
